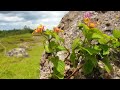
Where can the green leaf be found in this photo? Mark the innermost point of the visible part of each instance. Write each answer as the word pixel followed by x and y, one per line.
pixel 88 67
pixel 96 30
pixel 81 25
pixel 53 45
pixel 102 41
pixel 86 50
pixel 106 49
pixel 47 49
pixel 94 33
pixel 115 43
pixel 61 39
pixel 93 59
pixel 56 47
pixel 61 48
pixel 75 43
pixel 108 67
pixel 96 47
pixel 116 33
pixel 88 35
pixel 59 67
pixel 57 74
pixel 90 50
pixel 73 58
pixel 105 39
pixel 56 36
pixel 84 28
pixel 47 32
pixel 96 36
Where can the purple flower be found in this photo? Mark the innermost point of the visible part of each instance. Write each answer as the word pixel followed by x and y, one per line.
pixel 87 14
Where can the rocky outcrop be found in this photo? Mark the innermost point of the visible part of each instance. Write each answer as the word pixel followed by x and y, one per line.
pixel 108 20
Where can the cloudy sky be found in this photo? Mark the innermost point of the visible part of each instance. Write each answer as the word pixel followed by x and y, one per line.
pixel 18 19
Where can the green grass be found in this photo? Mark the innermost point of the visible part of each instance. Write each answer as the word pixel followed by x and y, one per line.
pixel 13 41
pixel 21 68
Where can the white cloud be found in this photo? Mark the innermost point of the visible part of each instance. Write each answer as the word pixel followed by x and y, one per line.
pixel 18 19
pixel 10 18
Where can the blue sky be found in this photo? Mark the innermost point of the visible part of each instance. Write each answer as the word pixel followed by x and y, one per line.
pixel 18 19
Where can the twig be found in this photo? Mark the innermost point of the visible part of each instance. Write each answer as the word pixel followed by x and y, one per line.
pixel 79 67
pixel 68 53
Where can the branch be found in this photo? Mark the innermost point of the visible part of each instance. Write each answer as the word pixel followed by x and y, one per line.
pixel 79 67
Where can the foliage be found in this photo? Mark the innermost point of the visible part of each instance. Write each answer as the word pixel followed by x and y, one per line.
pixel 85 48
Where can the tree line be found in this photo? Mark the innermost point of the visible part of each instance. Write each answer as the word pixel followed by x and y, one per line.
pixel 5 33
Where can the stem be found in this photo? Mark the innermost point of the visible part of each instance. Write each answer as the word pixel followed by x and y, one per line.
pixel 68 52
pixel 79 67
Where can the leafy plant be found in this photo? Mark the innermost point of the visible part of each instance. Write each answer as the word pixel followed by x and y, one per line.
pixel 81 48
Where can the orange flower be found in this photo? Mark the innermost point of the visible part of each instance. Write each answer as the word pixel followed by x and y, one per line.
pixel 57 30
pixel 92 25
pixel 86 20
pixel 39 29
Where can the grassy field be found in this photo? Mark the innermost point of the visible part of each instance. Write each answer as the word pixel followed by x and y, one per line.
pixel 20 68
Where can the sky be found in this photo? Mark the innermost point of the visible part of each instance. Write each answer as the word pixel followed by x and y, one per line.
pixel 18 19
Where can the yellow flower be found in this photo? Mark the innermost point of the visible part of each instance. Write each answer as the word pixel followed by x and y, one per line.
pixel 86 20
pixel 40 26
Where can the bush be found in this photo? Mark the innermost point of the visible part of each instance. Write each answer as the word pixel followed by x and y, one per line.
pixel 91 53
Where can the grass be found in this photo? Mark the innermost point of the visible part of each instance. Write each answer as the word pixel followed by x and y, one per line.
pixel 21 68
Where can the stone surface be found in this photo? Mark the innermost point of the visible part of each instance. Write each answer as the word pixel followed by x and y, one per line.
pixel 45 67
pixel 108 20
pixel 17 52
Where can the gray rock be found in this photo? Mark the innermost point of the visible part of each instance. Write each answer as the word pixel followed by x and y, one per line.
pixel 17 52
pixel 45 67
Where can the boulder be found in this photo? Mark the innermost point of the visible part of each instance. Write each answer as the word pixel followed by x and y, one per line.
pixel 17 52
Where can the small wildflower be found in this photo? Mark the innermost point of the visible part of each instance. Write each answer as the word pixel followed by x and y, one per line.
pixel 57 30
pixel 86 20
pixel 92 25
pixel 39 29
pixel 87 14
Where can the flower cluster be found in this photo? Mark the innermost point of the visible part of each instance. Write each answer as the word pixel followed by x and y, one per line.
pixel 41 28
pixel 87 20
